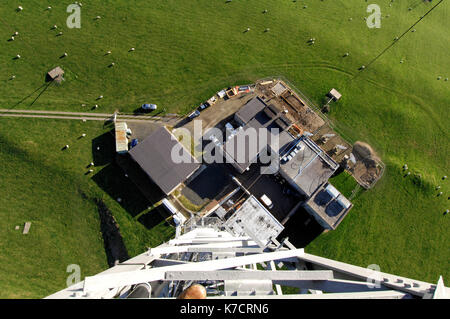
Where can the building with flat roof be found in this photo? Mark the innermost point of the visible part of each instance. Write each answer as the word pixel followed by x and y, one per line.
pixel 328 206
pixel 303 164
pixel 279 89
pixel 249 110
pixel 254 220
pixel 120 132
pixel 262 123
pixel 154 156
pixel 306 166
pixel 241 151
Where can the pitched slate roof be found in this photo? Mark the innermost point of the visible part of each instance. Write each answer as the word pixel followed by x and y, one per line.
pixel 154 156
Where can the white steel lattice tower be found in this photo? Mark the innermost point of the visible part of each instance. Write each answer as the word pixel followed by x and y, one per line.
pixel 209 252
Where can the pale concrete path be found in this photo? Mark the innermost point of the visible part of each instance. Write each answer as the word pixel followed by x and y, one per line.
pixel 52 112
pixel 53 117
pixel 85 116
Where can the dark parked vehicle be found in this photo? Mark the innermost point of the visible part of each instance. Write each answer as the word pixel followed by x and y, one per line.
pixel 194 114
pixel 149 107
pixel 134 142
pixel 203 106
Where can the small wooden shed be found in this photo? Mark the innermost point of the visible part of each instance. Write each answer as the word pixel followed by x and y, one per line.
pixel 334 94
pixel 56 74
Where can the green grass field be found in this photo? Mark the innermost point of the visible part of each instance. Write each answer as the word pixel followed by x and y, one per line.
pixel 186 51
pixel 48 187
pixel 347 184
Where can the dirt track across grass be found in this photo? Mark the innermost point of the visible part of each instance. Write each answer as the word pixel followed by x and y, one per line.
pixel 169 120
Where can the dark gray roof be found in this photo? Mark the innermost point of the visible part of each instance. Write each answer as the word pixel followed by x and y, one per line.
pixel 242 150
pixel 249 110
pixel 154 156
pixel 257 115
pixel 283 122
pixel 271 111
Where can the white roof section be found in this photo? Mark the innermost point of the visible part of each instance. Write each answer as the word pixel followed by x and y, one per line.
pixel 169 206
pixel 334 93
pixel 176 214
pixel 266 200
pixel 221 94
pixel 332 191
pixel 121 137
pixel 254 220
pixel 279 89
pixel 344 202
